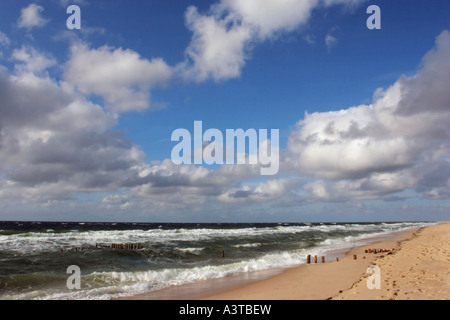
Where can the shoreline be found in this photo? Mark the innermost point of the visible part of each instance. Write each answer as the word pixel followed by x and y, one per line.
pixel 418 268
pixel 322 280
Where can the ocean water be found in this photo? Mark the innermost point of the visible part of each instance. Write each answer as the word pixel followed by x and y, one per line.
pixel 34 256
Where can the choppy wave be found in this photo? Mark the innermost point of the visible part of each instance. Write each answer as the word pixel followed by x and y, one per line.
pixel 34 260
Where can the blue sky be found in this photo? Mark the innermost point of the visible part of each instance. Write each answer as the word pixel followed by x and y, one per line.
pixel 88 114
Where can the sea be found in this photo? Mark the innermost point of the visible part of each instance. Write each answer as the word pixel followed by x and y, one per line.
pixel 35 256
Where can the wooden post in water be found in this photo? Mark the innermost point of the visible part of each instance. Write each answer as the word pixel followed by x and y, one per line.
pixel 354 257
pixel 315 259
pixel 308 259
pixel 323 259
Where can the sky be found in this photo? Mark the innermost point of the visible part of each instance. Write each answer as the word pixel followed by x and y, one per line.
pixel 87 115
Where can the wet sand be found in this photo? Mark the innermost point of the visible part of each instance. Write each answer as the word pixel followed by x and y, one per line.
pixel 417 268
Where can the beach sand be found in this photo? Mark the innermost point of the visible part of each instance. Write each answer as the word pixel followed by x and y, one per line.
pixel 418 268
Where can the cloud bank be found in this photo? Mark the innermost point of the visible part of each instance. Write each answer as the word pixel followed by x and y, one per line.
pixel 56 143
pixel 400 141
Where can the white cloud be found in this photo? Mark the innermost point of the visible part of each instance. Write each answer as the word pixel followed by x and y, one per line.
pixel 4 40
pixel 32 60
pixel 222 39
pixel 54 143
pixel 185 188
pixel 122 77
pixel 268 17
pixel 398 142
pixel 264 192
pixel 165 175
pixel 217 49
pixel 31 17
pixel 330 40
pixel 116 201
pixel 374 187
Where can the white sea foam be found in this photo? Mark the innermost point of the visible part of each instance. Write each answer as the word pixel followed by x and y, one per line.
pixel 34 242
pixel 131 283
pixel 190 250
pixel 247 245
pixel 104 285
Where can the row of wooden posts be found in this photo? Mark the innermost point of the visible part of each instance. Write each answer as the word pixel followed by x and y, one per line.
pixel 355 257
pixel 308 259
pixel 120 246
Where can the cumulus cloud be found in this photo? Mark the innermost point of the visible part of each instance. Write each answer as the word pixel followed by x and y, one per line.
pixel 398 142
pixel 264 192
pixel 31 17
pixel 185 189
pixel 116 201
pixel 217 49
pixel 53 142
pixel 121 77
pixel 56 144
pixel 31 60
pixel 166 177
pixel 270 16
pixel 223 37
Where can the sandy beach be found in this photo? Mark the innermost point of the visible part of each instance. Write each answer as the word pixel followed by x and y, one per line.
pixel 417 269
pixel 417 266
